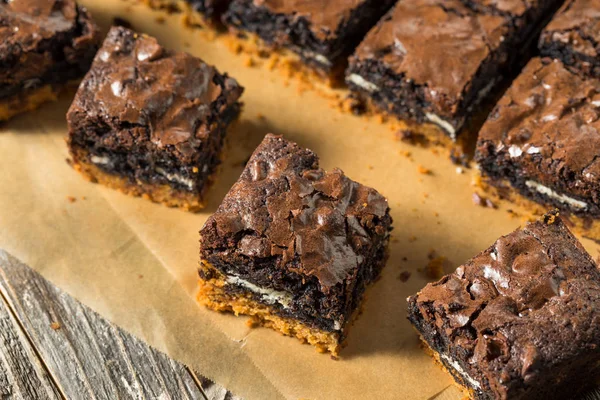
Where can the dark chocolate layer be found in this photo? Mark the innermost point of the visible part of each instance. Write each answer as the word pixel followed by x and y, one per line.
pixel 149 113
pixel 211 9
pixel 323 33
pixel 43 42
pixel 288 226
pixel 521 320
pixel 438 61
pixel 573 36
pixel 544 138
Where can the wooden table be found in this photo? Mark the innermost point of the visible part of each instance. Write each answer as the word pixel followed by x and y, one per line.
pixel 53 347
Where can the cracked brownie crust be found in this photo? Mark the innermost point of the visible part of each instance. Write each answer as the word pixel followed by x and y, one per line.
pixel 44 45
pixel 322 33
pixel 573 36
pixel 521 320
pixel 404 67
pixel 151 116
pixel 544 138
pixel 303 241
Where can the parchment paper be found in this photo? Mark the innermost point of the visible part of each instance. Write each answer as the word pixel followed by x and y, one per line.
pixel 135 262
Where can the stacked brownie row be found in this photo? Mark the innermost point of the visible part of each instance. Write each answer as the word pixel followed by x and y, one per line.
pixel 540 145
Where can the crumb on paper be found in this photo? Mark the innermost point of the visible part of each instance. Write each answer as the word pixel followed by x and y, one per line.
pixel 424 171
pixel 436 214
pixel 71 199
pixel 55 325
pixel 252 323
pixel 481 201
pixel 370 167
pixel 261 116
pixel 411 137
pixel 412 238
pixel 249 61
pixel 160 20
pixel 404 258
pixel 140 276
pixel 404 276
pixel 460 170
pixel 426 195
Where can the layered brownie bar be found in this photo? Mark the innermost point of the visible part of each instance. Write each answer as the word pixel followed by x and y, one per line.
pixel 317 34
pixel 294 246
pixel 201 13
pixel 44 44
pixel 542 142
pixel 438 62
pixel 521 320
pixel 150 121
pixel 573 36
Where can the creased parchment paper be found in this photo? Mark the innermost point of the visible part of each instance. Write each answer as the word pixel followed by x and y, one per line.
pixel 135 262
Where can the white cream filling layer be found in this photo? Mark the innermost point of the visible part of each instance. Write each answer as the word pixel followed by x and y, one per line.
pixel 445 125
pixel 461 371
pixel 176 178
pixel 100 160
pixel 556 196
pixel 362 83
pixel 269 295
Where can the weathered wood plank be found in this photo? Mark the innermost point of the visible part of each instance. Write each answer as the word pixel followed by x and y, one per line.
pixel 87 356
pixel 22 375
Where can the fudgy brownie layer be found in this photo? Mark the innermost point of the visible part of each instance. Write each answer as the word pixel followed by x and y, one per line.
pixel 573 36
pixel 521 320
pixel 408 73
pixel 286 226
pixel 544 137
pixel 153 115
pixel 322 33
pixel 43 42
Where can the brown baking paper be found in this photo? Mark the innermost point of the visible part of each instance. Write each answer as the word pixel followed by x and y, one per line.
pixel 135 262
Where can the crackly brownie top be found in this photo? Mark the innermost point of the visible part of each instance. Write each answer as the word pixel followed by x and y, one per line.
pixel 138 83
pixel 577 25
pixel 325 17
pixel 441 44
pixel 314 223
pixel 529 302
pixel 548 123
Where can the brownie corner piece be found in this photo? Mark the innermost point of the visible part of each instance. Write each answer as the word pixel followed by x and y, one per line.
pixel 573 36
pixel 294 246
pixel 442 62
pixel 44 46
pixel 314 35
pixel 521 320
pixel 539 147
pixel 150 121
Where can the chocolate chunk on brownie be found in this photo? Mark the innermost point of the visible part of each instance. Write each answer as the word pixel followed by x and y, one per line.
pixel 321 33
pixel 294 246
pixel 202 13
pixel 521 320
pixel 573 36
pixel 543 139
pixel 44 44
pixel 150 121
pixel 439 62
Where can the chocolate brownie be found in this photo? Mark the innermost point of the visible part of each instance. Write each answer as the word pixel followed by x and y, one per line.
pixel 44 44
pixel 203 13
pixel 521 320
pixel 151 121
pixel 439 61
pixel 543 139
pixel 573 36
pixel 294 246
pixel 321 33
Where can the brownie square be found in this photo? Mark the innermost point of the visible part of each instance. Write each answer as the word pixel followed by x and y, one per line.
pixel 201 13
pixel 439 62
pixel 321 33
pixel 521 320
pixel 573 36
pixel 150 121
pixel 542 142
pixel 44 44
pixel 294 246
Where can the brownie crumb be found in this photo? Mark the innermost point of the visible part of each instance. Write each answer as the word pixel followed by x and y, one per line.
pixel 412 238
pixel 412 137
pixel 425 171
pixel 481 201
pixel 404 276
pixel 71 199
pixel 160 20
pixel 55 326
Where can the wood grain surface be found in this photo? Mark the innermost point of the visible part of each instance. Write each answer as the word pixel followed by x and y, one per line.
pixel 53 347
